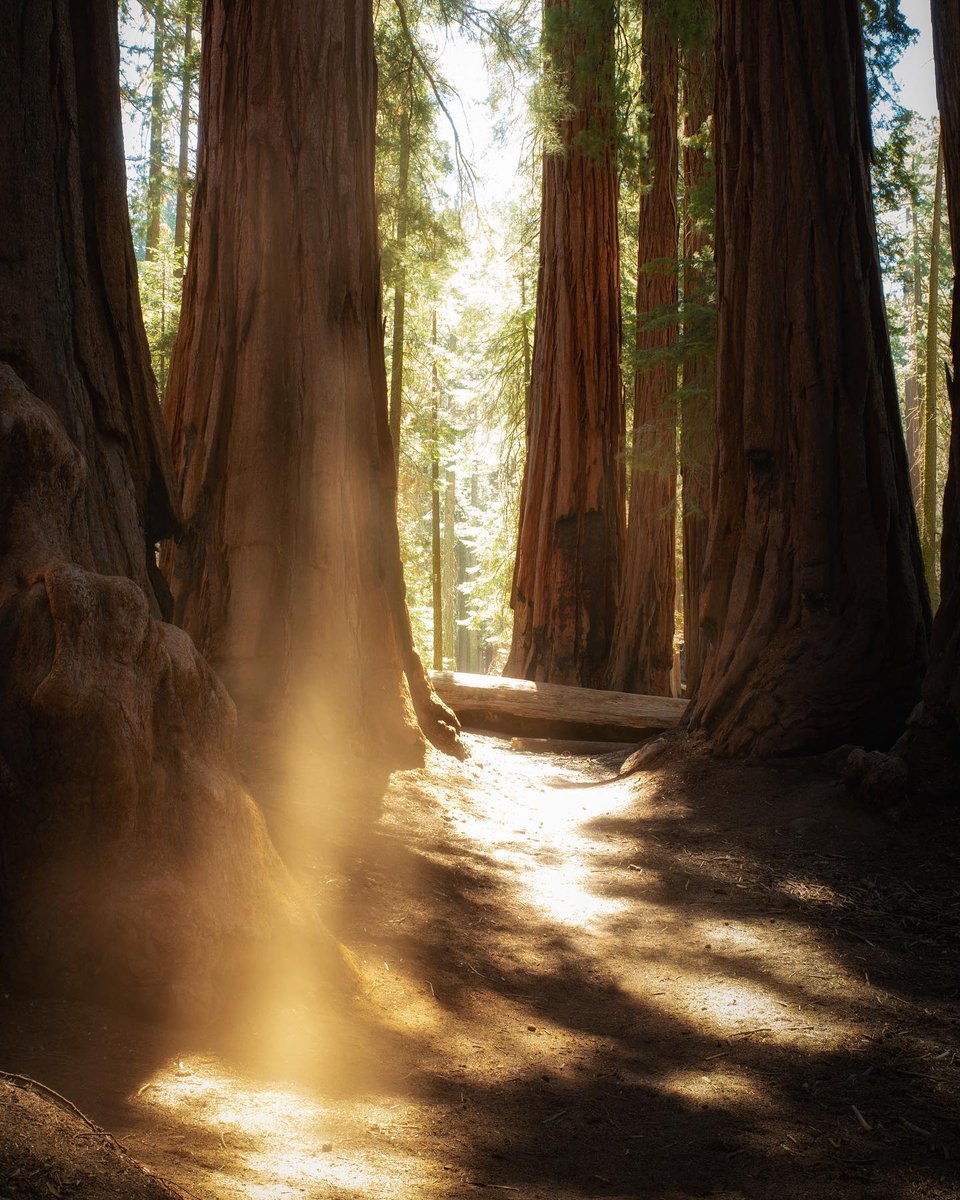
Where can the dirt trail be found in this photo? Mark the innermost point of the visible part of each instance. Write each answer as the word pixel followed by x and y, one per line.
pixel 706 980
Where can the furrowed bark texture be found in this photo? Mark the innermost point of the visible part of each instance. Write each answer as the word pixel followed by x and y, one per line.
pixel 934 738
pixel 641 658
pixel 698 384
pixel 133 867
pixel 70 323
pixel 571 506
pixel 289 574
pixel 814 601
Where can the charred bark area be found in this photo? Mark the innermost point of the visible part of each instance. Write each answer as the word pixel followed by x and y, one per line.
pixel 814 603
pixel 288 574
pixel 133 868
pixel 571 506
pixel 641 658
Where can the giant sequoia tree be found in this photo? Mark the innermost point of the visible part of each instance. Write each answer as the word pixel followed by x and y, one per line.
pixel 132 864
pixel 571 507
pixel 288 573
pixel 641 658
pixel 814 603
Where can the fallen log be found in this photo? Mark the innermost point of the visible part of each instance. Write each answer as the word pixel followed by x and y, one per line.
pixel 518 706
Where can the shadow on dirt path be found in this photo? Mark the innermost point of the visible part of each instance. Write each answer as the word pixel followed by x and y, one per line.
pixel 705 980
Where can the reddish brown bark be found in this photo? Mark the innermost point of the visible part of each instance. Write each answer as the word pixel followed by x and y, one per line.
pixel 814 602
pixel 641 658
pixel 133 867
pixel 571 507
pixel 70 323
pixel 289 573
pixel 698 386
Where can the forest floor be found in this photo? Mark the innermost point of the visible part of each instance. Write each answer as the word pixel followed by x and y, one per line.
pixel 707 979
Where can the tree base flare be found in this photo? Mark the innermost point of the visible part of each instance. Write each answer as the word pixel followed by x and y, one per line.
pixel 135 869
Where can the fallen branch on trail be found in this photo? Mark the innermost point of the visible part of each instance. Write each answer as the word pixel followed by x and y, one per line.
pixel 517 706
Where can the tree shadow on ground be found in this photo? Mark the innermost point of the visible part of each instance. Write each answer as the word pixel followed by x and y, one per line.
pixel 712 980
pixel 757 891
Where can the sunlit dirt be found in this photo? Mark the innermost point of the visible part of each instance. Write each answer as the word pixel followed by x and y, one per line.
pixel 569 985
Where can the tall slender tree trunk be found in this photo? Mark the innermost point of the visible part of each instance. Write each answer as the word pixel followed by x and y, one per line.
pixel 641 658
pixel 289 572
pixel 436 550
pixel 450 573
pixel 155 166
pixel 913 395
pixel 133 867
pixel 400 288
pixel 815 604
pixel 698 386
pixel 525 333
pixel 183 160
pixel 933 742
pixel 571 506
pixel 929 523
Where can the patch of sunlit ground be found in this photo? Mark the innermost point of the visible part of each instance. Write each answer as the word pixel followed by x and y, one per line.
pixel 538 833
pixel 729 977
pixel 714 1084
pixel 273 1141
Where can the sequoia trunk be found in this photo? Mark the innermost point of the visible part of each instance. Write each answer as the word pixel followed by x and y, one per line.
pixel 814 598
pixel 133 867
pixel 288 574
pixel 571 507
pixel 641 658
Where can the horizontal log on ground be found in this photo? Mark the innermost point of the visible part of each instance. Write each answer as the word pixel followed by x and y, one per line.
pixel 518 706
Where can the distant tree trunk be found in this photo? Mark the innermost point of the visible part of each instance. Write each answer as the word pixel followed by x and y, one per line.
pixel 450 562
pixel 697 393
pixel 814 601
pixel 436 552
pixel 466 655
pixel 929 523
pixel 289 572
pixel 913 396
pixel 155 166
pixel 641 658
pixel 133 868
pixel 183 162
pixel 933 741
pixel 400 288
pixel 525 332
pixel 571 506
